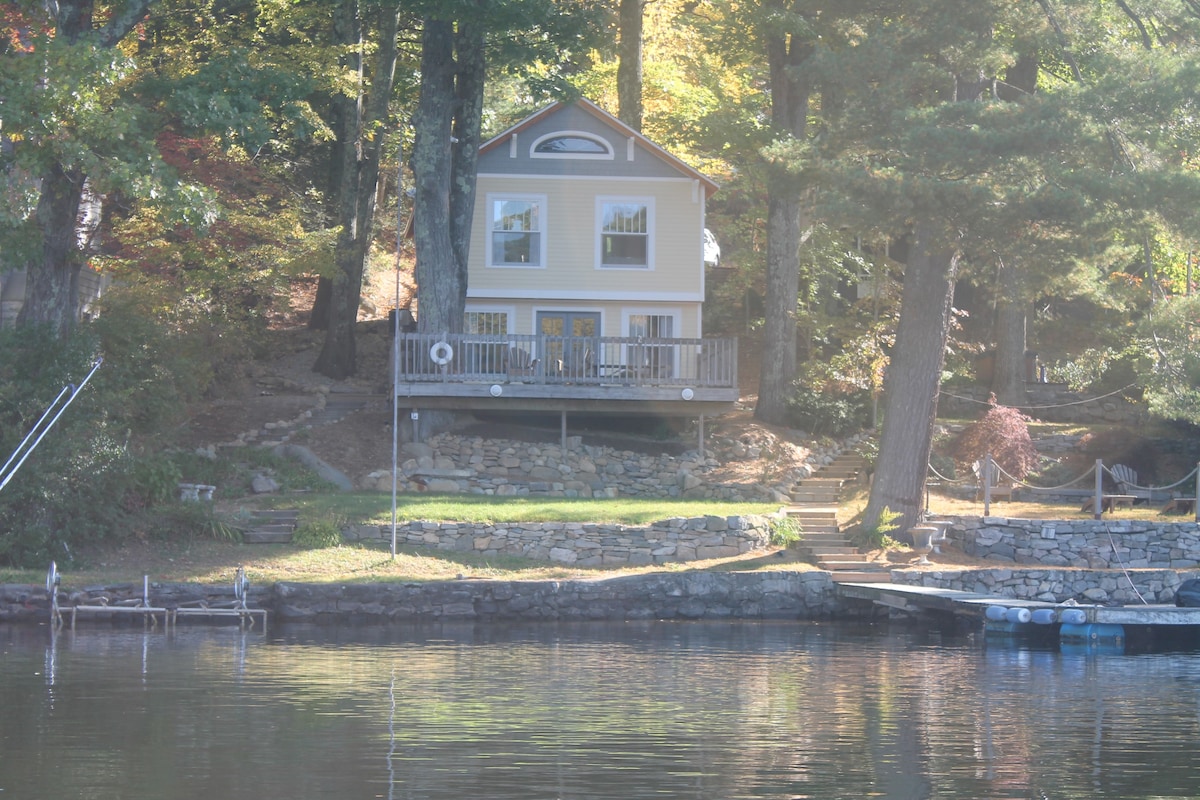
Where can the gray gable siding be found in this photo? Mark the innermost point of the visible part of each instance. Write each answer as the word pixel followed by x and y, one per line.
pixel 571 118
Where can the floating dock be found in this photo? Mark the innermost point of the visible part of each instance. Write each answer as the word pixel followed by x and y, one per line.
pixel 150 613
pixel 1070 623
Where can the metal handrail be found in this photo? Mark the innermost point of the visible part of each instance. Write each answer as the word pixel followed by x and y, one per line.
pixel 42 427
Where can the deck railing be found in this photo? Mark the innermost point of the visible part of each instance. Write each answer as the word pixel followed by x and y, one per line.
pixel 600 360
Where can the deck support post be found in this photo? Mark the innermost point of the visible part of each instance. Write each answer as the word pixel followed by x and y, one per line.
pixel 563 434
pixel 700 435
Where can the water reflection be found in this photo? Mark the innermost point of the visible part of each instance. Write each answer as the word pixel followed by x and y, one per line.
pixel 586 711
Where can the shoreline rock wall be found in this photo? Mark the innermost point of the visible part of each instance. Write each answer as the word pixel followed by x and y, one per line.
pixel 668 595
pixel 1097 587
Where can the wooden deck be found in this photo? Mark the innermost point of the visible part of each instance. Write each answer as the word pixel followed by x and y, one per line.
pixel 602 374
pixel 971 604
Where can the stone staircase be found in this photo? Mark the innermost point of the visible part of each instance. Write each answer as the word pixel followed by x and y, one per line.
pixel 270 527
pixel 815 508
pixel 336 406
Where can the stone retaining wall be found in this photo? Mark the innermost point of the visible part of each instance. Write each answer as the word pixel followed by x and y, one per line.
pixel 470 464
pixel 587 544
pixel 1050 402
pixel 685 595
pixel 1083 586
pixel 1093 544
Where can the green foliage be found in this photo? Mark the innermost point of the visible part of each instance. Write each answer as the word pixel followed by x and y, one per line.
pixel 1173 382
pixel 944 465
pixel 879 535
pixel 828 412
pixel 69 488
pixel 785 532
pixel 317 532
pixel 108 457
pixel 155 480
pixel 185 521
pixel 1105 369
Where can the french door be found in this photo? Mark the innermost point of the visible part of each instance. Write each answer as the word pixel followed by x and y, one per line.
pixel 572 351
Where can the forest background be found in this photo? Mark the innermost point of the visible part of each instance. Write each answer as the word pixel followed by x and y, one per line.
pixel 906 186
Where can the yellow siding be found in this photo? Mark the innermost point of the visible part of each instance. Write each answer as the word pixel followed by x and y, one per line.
pixel 570 242
pixel 613 316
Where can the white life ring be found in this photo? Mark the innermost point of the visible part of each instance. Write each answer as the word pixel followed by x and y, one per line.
pixel 441 353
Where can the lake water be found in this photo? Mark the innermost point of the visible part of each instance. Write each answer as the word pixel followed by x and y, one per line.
pixel 585 712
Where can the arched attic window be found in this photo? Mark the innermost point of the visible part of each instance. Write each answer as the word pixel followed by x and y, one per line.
pixel 571 144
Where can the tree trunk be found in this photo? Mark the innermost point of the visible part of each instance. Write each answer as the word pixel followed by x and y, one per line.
pixel 913 382
pixel 784 232
pixel 318 318
pixel 52 291
pixel 1009 371
pixel 629 64
pixel 359 178
pixel 439 282
pixel 52 294
pixel 1008 375
pixel 470 73
pixel 786 229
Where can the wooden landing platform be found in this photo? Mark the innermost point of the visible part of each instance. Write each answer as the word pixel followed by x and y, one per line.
pixel 972 604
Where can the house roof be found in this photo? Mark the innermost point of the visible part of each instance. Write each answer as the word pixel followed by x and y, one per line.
pixel 710 186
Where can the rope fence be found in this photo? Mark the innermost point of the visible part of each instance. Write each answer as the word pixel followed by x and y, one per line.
pixel 990 475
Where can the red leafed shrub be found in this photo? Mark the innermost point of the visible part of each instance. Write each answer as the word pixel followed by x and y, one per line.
pixel 1004 432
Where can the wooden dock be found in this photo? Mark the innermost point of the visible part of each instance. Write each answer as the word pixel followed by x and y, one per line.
pixel 972 604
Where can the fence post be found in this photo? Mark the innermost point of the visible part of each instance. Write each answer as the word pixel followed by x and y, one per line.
pixel 1098 498
pixel 986 477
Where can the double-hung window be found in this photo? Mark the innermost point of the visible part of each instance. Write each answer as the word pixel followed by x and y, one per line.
pixel 516 235
pixel 626 232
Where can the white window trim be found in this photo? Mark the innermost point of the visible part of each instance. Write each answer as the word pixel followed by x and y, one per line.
pixel 510 313
pixel 543 214
pixel 675 314
pixel 598 233
pixel 605 156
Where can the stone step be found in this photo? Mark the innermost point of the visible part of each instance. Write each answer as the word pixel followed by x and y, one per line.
pixel 827 510
pixel 814 521
pixel 262 537
pixel 850 576
pixel 843 471
pixel 823 537
pixel 827 552
pixel 830 492
pixel 822 482
pixel 821 498
pixel 278 515
pixel 271 526
pixel 836 564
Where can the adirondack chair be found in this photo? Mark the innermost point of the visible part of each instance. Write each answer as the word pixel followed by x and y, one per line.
pixel 520 365
pixel 1000 489
pixel 1127 482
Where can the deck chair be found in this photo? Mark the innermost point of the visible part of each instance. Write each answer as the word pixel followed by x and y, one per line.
pixel 1000 489
pixel 520 364
pixel 1127 481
